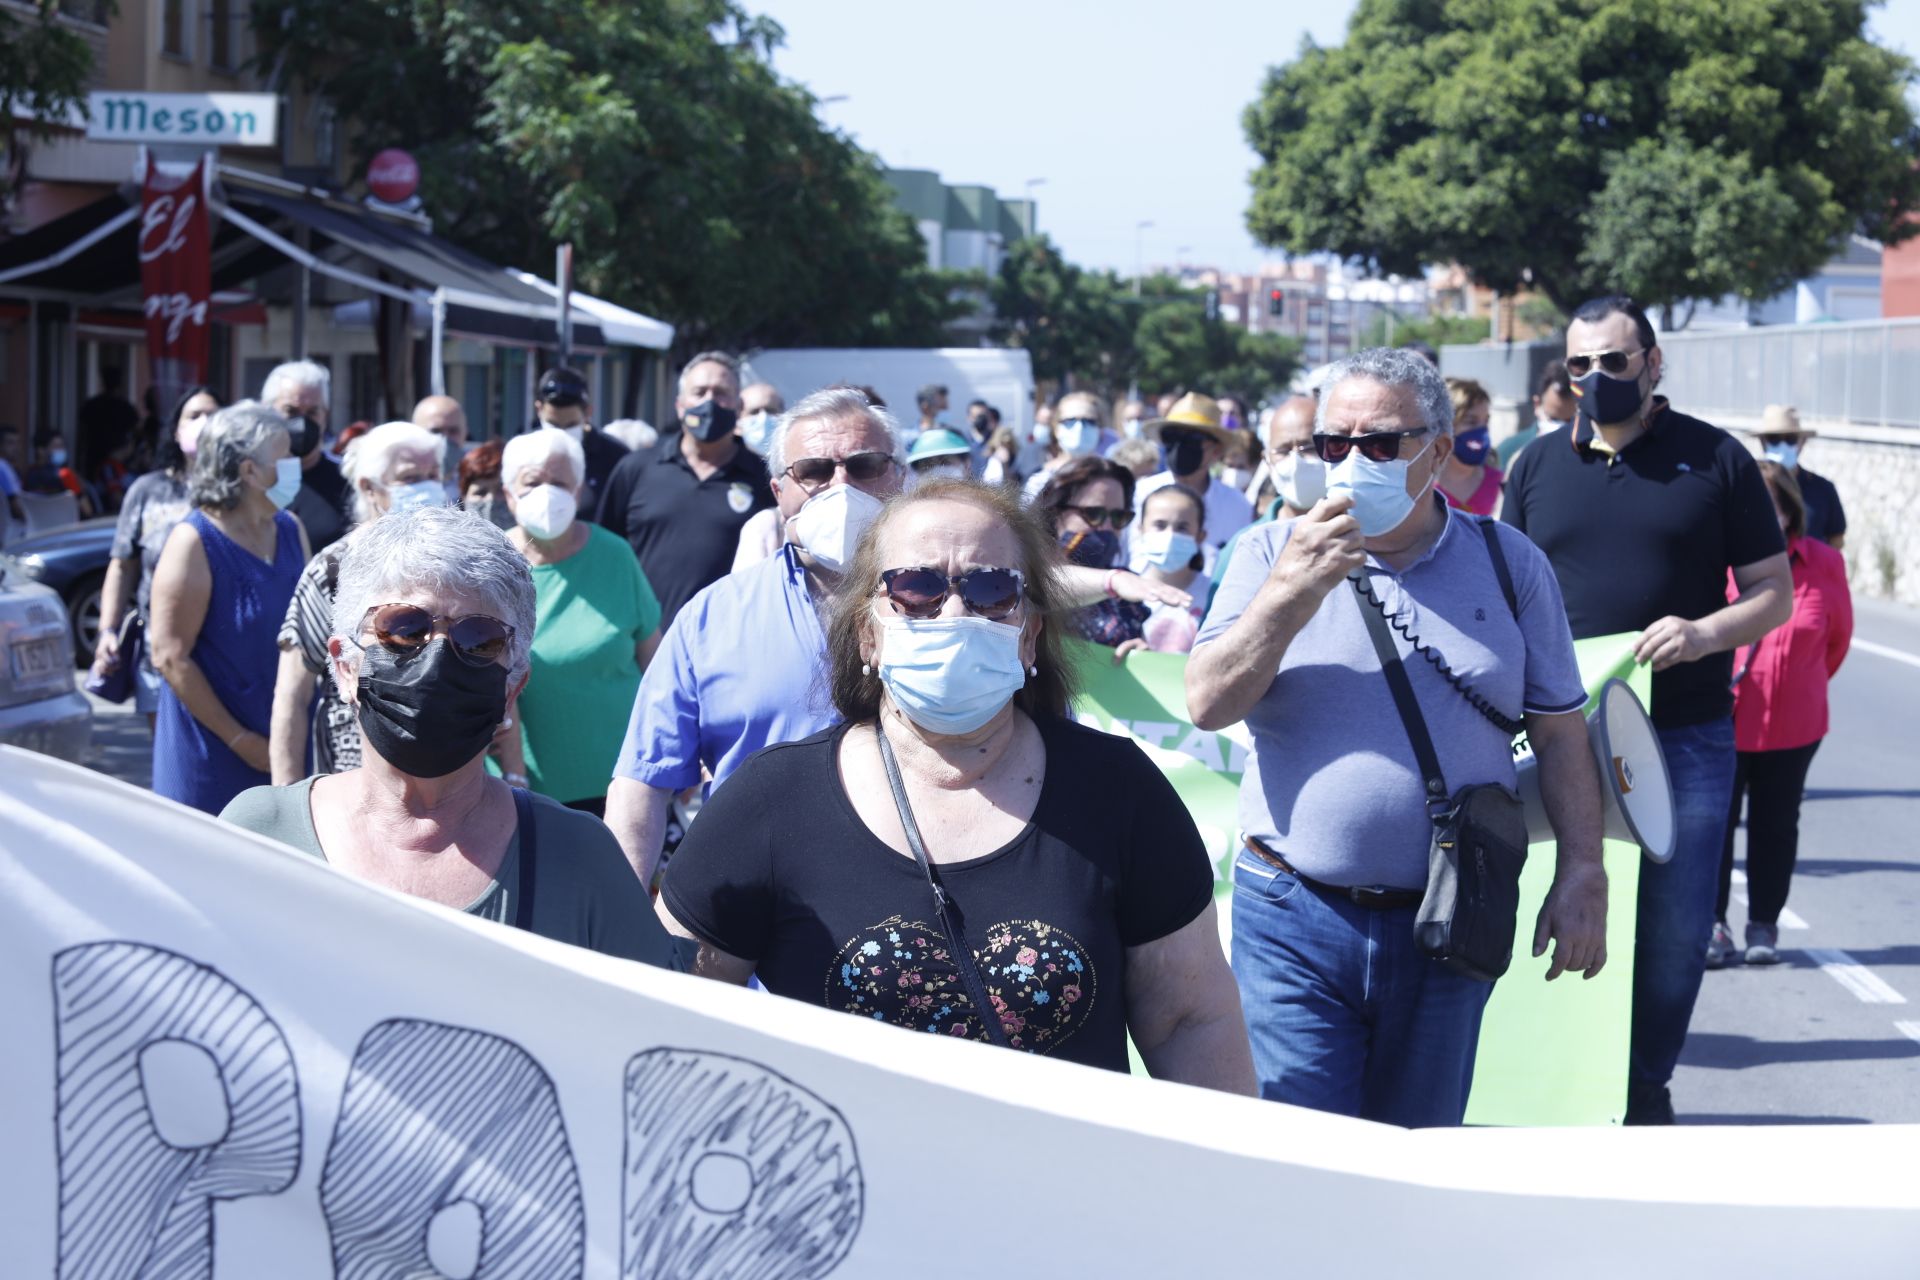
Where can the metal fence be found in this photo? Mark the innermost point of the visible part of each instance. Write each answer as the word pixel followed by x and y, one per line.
pixel 1865 372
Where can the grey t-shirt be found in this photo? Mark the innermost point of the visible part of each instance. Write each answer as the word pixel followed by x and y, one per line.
pixel 1332 784
pixel 585 892
pixel 156 502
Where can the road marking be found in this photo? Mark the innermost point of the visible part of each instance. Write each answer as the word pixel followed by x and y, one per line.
pixel 1882 651
pixel 1911 1030
pixel 1866 985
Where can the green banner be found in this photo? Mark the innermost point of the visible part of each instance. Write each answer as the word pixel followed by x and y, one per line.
pixel 1550 1054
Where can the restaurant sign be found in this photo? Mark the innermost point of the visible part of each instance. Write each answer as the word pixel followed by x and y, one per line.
pixel 193 119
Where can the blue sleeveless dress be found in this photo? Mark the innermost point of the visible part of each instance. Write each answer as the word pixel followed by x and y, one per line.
pixel 238 652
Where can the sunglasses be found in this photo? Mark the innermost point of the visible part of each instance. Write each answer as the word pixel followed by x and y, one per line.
pixel 1611 362
pixel 1376 446
pixel 1098 517
pixel 860 468
pixel 920 592
pixel 406 629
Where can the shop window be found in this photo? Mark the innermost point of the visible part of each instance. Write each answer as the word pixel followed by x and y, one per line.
pixel 175 29
pixel 223 46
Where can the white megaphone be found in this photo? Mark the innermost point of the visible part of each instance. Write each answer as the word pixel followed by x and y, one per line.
pixel 1636 794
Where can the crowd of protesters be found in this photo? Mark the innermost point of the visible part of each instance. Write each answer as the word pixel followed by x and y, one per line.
pixel 804 673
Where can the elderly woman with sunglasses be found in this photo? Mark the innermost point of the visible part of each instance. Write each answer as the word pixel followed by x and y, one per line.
pixel 958 856
pixel 432 623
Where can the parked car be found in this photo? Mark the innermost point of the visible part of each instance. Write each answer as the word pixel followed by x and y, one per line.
pixel 40 709
pixel 73 562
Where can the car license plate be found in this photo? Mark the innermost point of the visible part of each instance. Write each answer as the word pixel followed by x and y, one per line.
pixel 36 659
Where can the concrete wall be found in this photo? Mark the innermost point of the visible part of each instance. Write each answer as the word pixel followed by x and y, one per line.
pixel 1509 371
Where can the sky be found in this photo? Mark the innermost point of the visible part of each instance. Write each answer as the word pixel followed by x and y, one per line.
pixel 1129 110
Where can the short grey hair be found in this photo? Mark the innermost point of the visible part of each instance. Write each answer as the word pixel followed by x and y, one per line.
pixel 1392 367
pixel 436 549
pixel 536 449
pixel 725 360
pixel 832 404
pixel 232 436
pixel 371 455
pixel 295 374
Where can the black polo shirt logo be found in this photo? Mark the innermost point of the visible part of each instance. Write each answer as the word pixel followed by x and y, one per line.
pixel 740 498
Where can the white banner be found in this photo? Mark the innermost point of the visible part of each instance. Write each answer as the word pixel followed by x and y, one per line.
pixel 223 1059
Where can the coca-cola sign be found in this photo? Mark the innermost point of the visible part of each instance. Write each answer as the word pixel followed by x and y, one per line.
pixel 393 176
pixel 176 275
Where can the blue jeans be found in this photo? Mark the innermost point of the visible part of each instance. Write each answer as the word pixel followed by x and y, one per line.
pixel 1344 1011
pixel 1676 910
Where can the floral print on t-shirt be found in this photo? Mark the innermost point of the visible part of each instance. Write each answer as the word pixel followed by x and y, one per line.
pixel 902 972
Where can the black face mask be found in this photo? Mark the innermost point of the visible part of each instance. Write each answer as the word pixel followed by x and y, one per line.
pixel 303 435
pixel 709 421
pixel 429 713
pixel 1186 455
pixel 1606 401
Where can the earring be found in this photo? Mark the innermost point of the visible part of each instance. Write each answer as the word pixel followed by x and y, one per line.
pixel 1033 671
pixel 507 723
pixel 866 668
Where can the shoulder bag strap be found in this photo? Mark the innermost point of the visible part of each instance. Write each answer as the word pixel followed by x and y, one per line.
pixel 962 953
pixel 1403 700
pixel 1500 570
pixel 529 847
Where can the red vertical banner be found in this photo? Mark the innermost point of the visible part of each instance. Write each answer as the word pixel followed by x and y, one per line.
pixel 176 275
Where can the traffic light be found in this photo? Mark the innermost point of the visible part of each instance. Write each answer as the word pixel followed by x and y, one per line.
pixel 1213 305
pixel 1276 303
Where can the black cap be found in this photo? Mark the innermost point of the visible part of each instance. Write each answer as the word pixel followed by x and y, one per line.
pixel 561 388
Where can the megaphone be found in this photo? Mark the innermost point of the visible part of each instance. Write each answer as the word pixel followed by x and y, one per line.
pixel 1636 794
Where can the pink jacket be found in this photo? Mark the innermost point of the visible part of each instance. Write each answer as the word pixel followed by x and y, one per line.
pixel 1781 699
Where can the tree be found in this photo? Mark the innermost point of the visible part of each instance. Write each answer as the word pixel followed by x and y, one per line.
pixel 1180 349
pixel 1434 330
pixel 1674 149
pixel 44 73
pixel 1076 325
pixel 653 134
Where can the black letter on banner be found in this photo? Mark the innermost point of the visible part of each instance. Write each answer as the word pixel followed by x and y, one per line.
pixel 732 1169
pixel 448 1123
pixel 175 1090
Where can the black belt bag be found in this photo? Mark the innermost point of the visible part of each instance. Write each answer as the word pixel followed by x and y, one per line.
pixel 1472 904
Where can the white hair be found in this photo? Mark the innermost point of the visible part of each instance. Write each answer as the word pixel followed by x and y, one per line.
pixel 537 449
pixel 832 405
pixel 234 435
pixel 1392 367
pixel 294 375
pixel 635 433
pixel 371 456
pixel 440 549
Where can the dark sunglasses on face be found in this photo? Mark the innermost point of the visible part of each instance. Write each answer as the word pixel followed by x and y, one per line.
pixel 1097 517
pixel 1611 362
pixel 406 629
pixel 860 468
pixel 921 592
pixel 1377 446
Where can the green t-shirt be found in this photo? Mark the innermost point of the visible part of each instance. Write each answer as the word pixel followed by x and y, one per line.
pixel 585 891
pixel 591 609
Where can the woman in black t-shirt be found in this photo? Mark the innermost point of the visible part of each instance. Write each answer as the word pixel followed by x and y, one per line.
pixel 1070 867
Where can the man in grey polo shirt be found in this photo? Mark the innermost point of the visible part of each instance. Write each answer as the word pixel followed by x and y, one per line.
pixel 1344 1011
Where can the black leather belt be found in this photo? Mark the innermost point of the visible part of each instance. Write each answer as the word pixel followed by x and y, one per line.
pixel 1372 897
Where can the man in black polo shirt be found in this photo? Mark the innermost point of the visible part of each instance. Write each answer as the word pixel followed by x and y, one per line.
pixel 1642 511
pixel 561 401
pixel 1783 439
pixel 681 503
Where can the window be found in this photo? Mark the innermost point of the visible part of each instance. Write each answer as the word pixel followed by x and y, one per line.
pixel 93 12
pixel 220 48
pixel 174 28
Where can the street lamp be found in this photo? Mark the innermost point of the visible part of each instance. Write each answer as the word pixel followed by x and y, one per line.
pixel 1138 227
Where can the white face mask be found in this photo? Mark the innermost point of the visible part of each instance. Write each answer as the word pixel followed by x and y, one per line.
pixel 829 524
pixel 1077 436
pixel 578 432
pixel 1132 427
pixel 421 493
pixel 1300 477
pixel 1168 550
pixel 286 483
pixel 1043 433
pixel 756 431
pixel 545 511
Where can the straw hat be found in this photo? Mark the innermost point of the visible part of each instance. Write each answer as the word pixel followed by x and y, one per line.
pixel 1194 412
pixel 1783 420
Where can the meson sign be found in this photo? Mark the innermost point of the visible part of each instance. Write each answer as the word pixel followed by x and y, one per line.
pixel 195 119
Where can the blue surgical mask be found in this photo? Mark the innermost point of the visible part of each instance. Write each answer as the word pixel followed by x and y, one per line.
pixel 1784 453
pixel 421 493
pixel 1168 550
pixel 1078 436
pixel 1133 427
pixel 1378 489
pixel 1470 446
pixel 1042 433
pixel 58 457
pixel 286 483
pixel 950 675
pixel 756 431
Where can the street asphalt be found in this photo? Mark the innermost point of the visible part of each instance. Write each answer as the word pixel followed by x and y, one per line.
pixel 1831 1034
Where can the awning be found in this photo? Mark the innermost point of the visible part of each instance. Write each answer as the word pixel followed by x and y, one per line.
pixel 623 328
pixel 88 256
